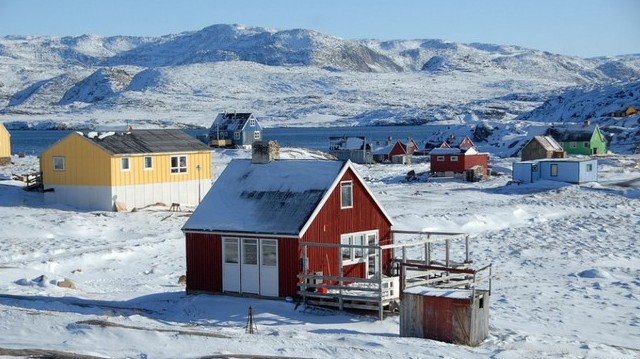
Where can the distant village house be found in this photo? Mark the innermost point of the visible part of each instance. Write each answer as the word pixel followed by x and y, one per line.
pixel 585 140
pixel 570 170
pixel 463 161
pixel 540 147
pixel 126 170
pixel 356 149
pixel 630 110
pixel 5 146
pixel 236 130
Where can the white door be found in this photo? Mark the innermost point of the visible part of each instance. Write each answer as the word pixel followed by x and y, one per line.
pixel 230 265
pixel 250 271
pixel 269 268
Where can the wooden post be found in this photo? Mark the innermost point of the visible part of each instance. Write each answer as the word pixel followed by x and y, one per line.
pixel 466 244
pixel 447 254
pixel 340 282
pixel 379 266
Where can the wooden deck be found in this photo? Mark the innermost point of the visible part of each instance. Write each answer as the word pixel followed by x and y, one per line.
pixel 382 293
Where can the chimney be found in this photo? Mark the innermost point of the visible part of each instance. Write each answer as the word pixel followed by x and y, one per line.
pixel 586 123
pixel 265 151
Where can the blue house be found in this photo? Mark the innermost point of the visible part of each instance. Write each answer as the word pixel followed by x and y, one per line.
pixel 237 130
pixel 571 170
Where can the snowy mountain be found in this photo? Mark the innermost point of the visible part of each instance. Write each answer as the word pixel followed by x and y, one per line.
pixel 287 77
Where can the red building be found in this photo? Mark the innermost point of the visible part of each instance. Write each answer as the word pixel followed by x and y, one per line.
pixel 450 162
pixel 246 235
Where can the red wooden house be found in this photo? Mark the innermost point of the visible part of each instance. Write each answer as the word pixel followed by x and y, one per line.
pixel 246 235
pixel 451 162
pixel 386 152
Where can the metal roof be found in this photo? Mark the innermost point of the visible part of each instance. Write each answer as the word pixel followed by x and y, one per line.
pixel 277 197
pixel 146 141
pixel 548 143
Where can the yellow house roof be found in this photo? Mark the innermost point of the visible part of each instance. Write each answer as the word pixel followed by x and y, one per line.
pixel 146 141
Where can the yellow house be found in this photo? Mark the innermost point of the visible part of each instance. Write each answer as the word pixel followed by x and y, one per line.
pixel 5 146
pixel 104 171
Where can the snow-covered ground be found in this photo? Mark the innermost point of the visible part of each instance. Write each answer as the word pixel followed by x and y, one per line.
pixel 565 262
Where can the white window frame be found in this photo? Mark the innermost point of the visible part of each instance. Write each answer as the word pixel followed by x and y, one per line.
pixel 453 158
pixel 553 169
pixel 589 167
pixel 59 160
pixel 125 164
pixel 440 158
pixel 344 185
pixel 572 144
pixel 586 144
pixel 252 122
pixel 236 135
pixel 353 255
pixel 179 168
pixel 256 135
pixel 150 167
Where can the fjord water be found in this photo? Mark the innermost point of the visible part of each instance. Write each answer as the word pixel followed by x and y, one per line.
pixel 32 142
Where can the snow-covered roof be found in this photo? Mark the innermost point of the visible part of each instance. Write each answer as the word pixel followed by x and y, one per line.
pixel 228 121
pixel 441 292
pixel 548 143
pixel 453 151
pixel 275 198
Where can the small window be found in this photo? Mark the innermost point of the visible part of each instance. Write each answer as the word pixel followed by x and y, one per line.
pixel 554 170
pixel 236 135
pixel 358 240
pixel 440 159
pixel 589 167
pixel 230 250
pixel 124 163
pixel 572 145
pixel 346 251
pixel 586 144
pixel 454 158
pixel 250 251
pixel 148 162
pixel 178 164
pixel 58 163
pixel 269 252
pixel 252 122
pixel 346 194
pixel 256 135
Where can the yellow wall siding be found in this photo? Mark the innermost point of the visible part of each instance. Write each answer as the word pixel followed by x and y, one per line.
pixel 5 142
pixel 85 163
pixel 161 171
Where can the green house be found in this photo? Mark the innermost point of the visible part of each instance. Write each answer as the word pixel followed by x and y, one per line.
pixel 585 140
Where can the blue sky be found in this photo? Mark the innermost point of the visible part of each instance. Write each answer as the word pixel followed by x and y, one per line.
pixel 571 27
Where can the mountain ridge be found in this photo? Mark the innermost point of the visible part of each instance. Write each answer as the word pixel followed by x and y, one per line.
pixel 294 77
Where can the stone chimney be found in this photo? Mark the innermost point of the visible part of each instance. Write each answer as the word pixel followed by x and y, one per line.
pixel 265 151
pixel 586 123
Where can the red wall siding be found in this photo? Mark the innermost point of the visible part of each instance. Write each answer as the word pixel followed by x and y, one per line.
pixel 462 164
pixel 447 164
pixel 288 267
pixel 332 221
pixel 204 262
pixel 481 159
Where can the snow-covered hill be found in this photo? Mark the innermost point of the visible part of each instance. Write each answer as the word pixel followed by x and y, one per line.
pixel 288 78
